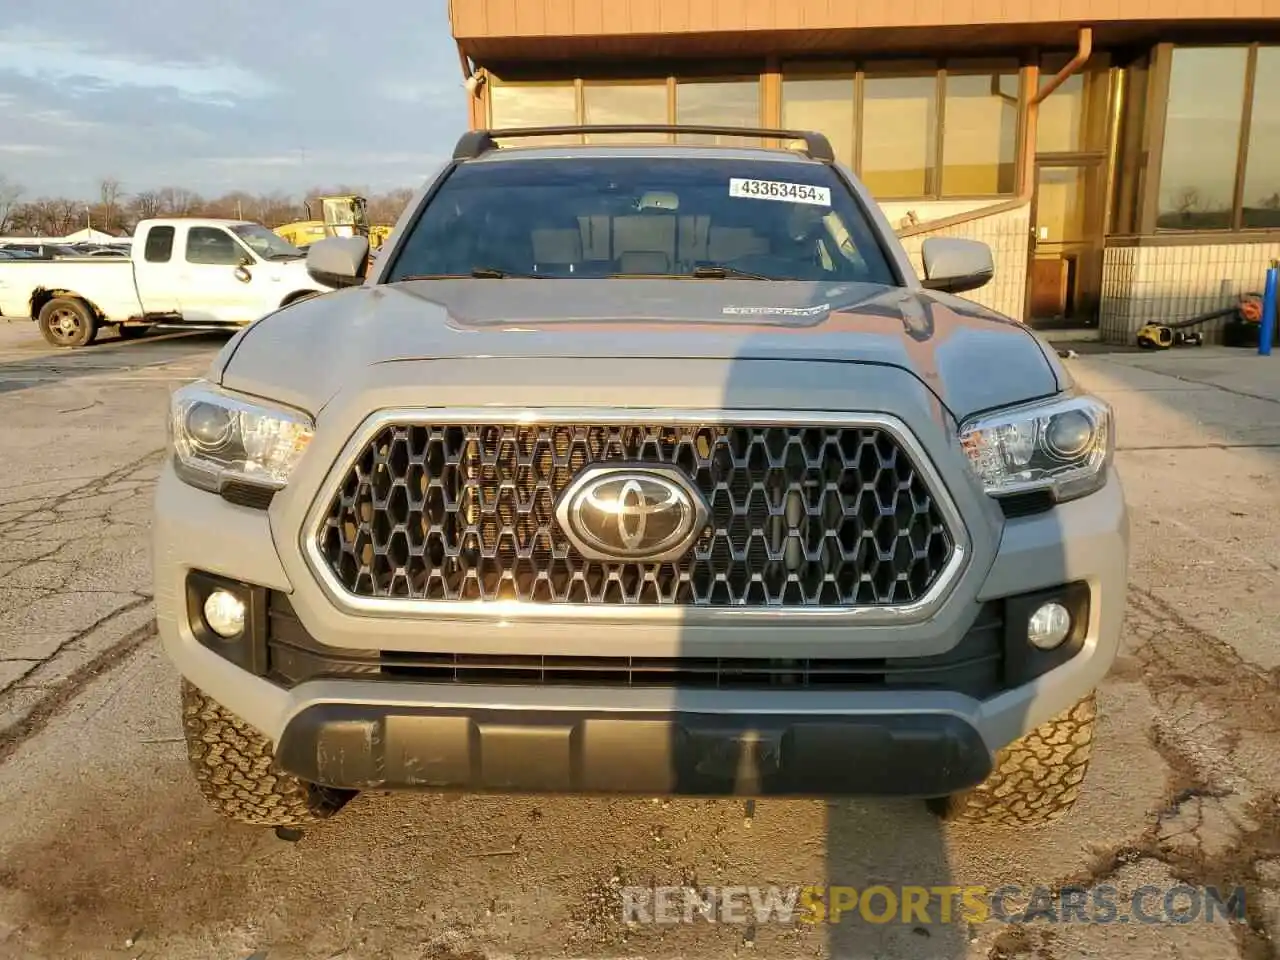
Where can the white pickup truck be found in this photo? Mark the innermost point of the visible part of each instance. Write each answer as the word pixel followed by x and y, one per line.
pixel 191 271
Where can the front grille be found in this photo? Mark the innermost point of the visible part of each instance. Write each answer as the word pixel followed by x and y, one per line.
pixel 973 667
pixel 798 516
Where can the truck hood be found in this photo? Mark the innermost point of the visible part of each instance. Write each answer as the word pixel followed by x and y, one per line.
pixel 303 354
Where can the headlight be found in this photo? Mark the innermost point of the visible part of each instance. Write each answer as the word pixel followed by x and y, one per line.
pixel 217 437
pixel 1063 446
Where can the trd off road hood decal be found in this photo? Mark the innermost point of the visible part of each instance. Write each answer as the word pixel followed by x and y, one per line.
pixel 971 358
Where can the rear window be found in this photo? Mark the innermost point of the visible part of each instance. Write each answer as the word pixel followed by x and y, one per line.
pixel 159 246
pixel 627 216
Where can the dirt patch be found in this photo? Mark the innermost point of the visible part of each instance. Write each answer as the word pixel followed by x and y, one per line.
pixel 1013 942
pixel 114 869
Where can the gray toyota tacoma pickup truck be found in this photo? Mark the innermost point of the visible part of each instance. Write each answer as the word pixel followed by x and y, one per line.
pixel 646 467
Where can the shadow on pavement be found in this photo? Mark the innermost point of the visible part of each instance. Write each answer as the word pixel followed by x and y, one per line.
pixel 24 364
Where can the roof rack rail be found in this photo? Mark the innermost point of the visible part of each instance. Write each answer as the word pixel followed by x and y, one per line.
pixel 475 143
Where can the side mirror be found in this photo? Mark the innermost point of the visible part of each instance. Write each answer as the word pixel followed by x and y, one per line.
pixel 338 261
pixel 955 265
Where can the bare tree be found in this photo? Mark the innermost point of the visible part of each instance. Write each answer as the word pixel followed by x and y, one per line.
pixel 113 209
pixel 1188 200
pixel 179 202
pixel 145 205
pixel 386 208
pixel 276 209
pixel 50 216
pixel 109 197
pixel 10 194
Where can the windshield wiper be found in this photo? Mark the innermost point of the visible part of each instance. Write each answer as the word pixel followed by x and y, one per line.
pixel 720 272
pixel 477 273
pixel 493 273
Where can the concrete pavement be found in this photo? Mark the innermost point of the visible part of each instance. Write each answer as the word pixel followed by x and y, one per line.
pixel 106 850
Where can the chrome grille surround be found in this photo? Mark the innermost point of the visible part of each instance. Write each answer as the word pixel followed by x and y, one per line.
pixel 482 517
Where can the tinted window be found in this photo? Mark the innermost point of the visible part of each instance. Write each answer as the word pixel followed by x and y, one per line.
pixel 719 103
pixel 1262 178
pixel 609 216
pixel 514 105
pixel 980 136
pixel 212 245
pixel 1202 138
pixel 899 135
pixel 823 103
pixel 159 244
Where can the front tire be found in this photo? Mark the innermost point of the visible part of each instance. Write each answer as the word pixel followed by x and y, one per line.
pixel 1037 778
pixel 233 767
pixel 65 322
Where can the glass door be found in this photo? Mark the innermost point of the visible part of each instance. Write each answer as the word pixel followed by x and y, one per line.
pixel 1067 223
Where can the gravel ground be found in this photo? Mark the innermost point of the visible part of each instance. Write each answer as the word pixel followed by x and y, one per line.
pixel 106 850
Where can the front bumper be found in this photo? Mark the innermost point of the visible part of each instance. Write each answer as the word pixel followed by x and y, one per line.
pixel 696 750
pixel 359 733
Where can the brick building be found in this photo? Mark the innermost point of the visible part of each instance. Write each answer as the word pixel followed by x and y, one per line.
pixel 1120 156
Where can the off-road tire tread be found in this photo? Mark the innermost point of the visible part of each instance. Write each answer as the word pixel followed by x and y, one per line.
pixel 233 767
pixel 1036 779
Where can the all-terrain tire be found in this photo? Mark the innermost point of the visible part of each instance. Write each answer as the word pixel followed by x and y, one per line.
pixel 1036 778
pixel 67 322
pixel 233 766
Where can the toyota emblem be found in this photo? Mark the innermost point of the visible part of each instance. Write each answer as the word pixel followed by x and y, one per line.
pixel 638 514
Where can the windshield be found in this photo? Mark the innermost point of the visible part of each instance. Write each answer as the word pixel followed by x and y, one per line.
pixel 599 217
pixel 267 245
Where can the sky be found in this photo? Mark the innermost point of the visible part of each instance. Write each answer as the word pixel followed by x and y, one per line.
pixel 226 95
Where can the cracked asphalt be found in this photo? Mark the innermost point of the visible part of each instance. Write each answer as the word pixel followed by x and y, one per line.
pixel 106 849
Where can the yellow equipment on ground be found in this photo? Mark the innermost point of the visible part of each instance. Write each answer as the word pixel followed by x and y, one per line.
pixel 341 216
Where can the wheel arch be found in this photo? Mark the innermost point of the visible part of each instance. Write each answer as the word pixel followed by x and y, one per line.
pixel 299 295
pixel 42 295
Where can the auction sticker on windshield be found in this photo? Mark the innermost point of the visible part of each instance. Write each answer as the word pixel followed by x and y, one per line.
pixel 779 190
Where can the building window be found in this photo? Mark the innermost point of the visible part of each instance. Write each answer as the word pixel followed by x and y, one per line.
pixel 1261 199
pixel 612 103
pixel 1203 121
pixel 534 105
pixel 899 136
pixel 1074 119
pixel 827 104
pixel 1221 135
pixel 980 135
pixel 721 103
pixel 914 131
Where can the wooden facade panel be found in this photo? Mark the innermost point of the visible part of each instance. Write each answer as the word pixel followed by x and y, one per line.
pixel 757 14
pixel 675 16
pixel 476 19
pixel 588 17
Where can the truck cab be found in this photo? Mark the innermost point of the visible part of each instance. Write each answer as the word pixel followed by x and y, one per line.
pixel 195 271
pixel 215 271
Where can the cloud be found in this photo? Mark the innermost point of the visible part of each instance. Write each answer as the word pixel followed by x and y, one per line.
pixel 233 95
pixel 93 66
pixel 29 149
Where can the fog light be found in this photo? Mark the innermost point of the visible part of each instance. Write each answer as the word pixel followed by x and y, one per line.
pixel 224 612
pixel 1049 626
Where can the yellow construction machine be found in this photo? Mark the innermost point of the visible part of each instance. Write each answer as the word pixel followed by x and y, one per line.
pixel 342 216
